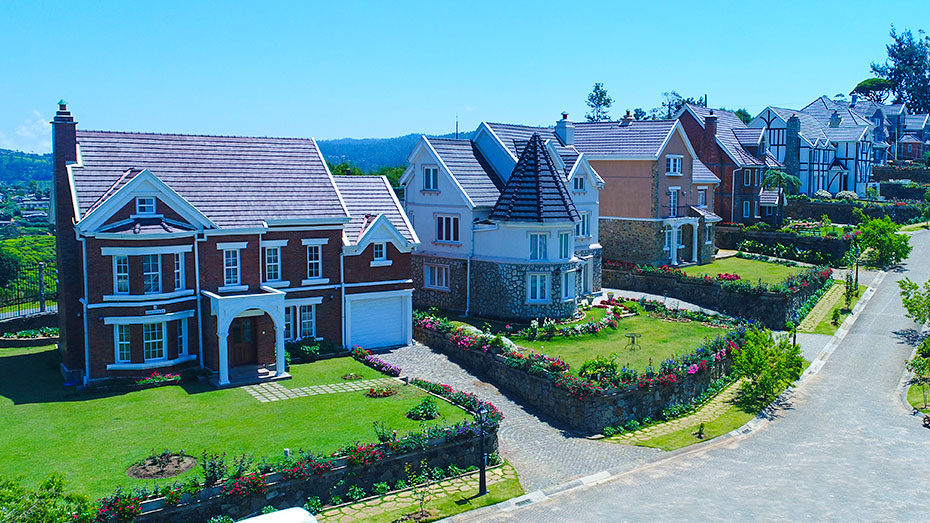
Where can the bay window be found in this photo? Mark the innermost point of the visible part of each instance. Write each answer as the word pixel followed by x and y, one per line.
pixel 565 245
pixel 121 270
pixel 151 273
pixel 538 246
pixel 178 271
pixel 153 341
pixel 123 348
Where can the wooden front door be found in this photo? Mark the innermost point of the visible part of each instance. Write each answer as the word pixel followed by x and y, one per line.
pixel 242 344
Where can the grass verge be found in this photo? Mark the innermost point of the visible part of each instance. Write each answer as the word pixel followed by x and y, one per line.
pixel 749 270
pixel 826 325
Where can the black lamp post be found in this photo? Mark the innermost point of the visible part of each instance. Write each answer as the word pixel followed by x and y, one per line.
pixel 857 267
pixel 482 417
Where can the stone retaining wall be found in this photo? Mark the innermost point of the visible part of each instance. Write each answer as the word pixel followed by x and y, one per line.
pixel 843 212
pixel 885 172
pixel 32 321
pixel 588 416
pixel 900 191
pixel 730 237
pixel 770 309
pixel 294 493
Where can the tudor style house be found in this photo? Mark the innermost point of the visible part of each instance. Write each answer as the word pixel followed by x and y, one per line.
pixel 826 144
pixel 738 155
pixel 506 226
pixel 180 251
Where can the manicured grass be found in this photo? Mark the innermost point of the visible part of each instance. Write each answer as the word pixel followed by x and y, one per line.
pixel 594 314
pixel 731 419
pixel 660 340
pixel 93 439
pixel 915 397
pixel 324 372
pixel 826 325
pixel 915 227
pixel 750 270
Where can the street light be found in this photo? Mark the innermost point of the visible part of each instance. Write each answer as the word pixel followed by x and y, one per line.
pixel 856 244
pixel 482 418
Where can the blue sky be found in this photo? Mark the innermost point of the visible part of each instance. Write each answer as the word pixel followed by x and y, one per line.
pixel 380 69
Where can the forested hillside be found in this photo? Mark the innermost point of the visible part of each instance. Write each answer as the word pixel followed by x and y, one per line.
pixel 17 166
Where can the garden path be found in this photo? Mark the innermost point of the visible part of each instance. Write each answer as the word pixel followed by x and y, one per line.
pixel 844 446
pixel 274 391
pixel 823 307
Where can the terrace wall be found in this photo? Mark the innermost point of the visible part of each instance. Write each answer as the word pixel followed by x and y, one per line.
pixel 589 415
pixel 840 212
pixel 730 237
pixel 294 493
pixel 770 309
pixel 886 172
pixel 901 191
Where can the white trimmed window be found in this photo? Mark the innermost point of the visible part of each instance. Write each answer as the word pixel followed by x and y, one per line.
pixel 538 284
pixel 314 261
pixel 307 321
pixel 178 271
pixel 768 210
pixel 746 209
pixel 145 205
pixel 436 276
pixel 123 346
pixel 153 341
pixel 380 251
pixel 583 227
pixel 702 198
pixel 121 269
pixel 673 202
pixel 151 273
pixel 747 177
pixel 565 245
pixel 668 238
pixel 707 233
pixel 538 246
pixel 289 315
pixel 447 229
pixel 679 238
pixel 272 263
pixel 578 183
pixel 182 337
pixel 673 164
pixel 568 285
pixel 431 178
pixel 757 210
pixel 231 267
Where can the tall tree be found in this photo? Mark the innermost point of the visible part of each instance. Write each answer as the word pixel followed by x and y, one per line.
pixel 639 113
pixel 908 69
pixel 784 182
pixel 599 102
pixel 673 102
pixel 743 115
pixel 876 89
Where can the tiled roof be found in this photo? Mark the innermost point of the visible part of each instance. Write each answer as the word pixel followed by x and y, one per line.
pixel 706 213
pixel 370 196
pixel 701 174
pixel 515 138
pixel 771 161
pixel 638 139
pixel 234 181
pixel 811 128
pixel 822 108
pixel 535 191
pixel 907 138
pixel 915 122
pixel 769 197
pixel 470 168
pixel 846 134
pixel 732 133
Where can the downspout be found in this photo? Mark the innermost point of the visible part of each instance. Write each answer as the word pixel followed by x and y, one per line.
pixel 468 275
pixel 197 241
pixel 342 287
pixel 84 303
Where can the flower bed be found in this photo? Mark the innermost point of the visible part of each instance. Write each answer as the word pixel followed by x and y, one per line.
pixel 375 362
pixel 41 332
pixel 156 378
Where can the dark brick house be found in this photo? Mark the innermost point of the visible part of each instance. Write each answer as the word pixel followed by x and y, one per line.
pixel 179 251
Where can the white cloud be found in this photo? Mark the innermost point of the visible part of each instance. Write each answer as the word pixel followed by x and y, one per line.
pixel 34 135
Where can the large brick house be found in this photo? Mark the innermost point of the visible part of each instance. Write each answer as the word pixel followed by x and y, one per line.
pixel 657 203
pixel 180 251
pixel 506 225
pixel 738 156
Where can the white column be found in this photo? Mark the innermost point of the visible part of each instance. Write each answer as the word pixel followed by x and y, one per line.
pixel 279 350
pixel 224 357
pixel 694 243
pixel 674 246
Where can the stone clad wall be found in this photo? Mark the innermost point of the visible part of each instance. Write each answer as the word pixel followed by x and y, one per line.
pixel 294 493
pixel 635 241
pixel 588 416
pixel 596 276
pixel 843 212
pixel 730 237
pixel 770 309
pixel 499 291
pixel 452 299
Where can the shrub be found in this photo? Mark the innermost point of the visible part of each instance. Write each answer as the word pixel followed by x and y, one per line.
pixel 120 506
pixel 245 485
pixel 268 509
pixel 214 468
pixel 364 455
pixel 881 235
pixel 768 364
pixel 425 410
pixel 381 488
pixel 847 195
pixel 355 493
pixel 222 518
pixel 400 484
pixel 335 500
pixel 822 193
pixel 313 505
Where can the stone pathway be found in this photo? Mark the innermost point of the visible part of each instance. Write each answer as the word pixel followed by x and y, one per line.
pixel 367 510
pixel 274 391
pixel 709 412
pixel 823 307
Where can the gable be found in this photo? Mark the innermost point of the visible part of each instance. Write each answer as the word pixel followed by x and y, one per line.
pixel 424 154
pixel 381 230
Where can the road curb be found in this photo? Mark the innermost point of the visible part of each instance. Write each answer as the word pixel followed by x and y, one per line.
pixel 754 425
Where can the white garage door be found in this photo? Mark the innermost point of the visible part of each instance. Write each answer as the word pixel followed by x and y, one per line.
pixel 378 322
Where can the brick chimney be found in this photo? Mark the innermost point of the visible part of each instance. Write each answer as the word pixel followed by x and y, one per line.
pixel 835 119
pixel 627 119
pixel 793 146
pixel 565 130
pixel 710 133
pixel 68 250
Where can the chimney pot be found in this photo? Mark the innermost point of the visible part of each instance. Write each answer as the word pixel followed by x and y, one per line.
pixel 564 115
pixel 627 118
pixel 565 130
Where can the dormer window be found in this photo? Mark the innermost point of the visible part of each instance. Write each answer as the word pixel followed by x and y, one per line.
pixel 430 178
pixel 673 165
pixel 380 252
pixel 145 205
pixel 579 183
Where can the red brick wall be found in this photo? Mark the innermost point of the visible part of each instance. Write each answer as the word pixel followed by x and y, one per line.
pixel 358 268
pixel 294 255
pixel 100 268
pixel 130 208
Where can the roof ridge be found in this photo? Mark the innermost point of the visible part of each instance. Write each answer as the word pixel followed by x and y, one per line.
pixel 144 133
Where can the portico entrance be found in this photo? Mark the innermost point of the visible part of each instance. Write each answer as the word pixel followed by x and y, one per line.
pixel 243 343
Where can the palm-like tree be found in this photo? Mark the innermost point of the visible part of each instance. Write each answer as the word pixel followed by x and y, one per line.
pixel 784 182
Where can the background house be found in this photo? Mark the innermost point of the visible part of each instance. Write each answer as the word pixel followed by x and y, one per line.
pixel 211 251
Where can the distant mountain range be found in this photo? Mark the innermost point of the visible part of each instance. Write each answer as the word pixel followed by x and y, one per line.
pixel 369 154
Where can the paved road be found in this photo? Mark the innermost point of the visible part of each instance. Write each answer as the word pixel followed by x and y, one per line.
pixel 846 447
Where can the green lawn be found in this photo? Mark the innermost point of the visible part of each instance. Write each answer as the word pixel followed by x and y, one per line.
pixel 731 419
pixel 915 397
pixel 660 340
pixel 826 325
pixel 93 439
pixel 750 270
pixel 914 227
